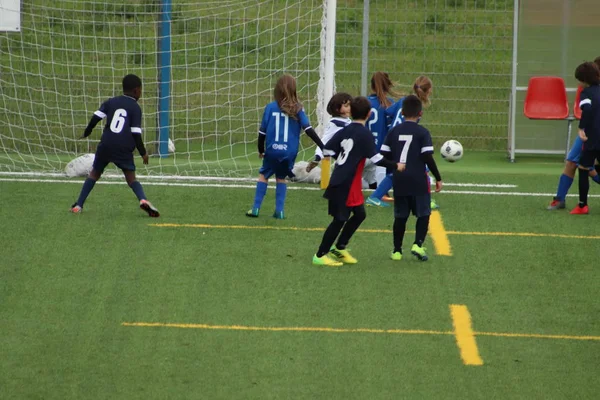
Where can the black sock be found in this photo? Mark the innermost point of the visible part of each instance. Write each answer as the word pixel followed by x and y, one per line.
pixel 422 226
pixel 399 229
pixel 351 227
pixel 373 185
pixel 584 186
pixel 332 232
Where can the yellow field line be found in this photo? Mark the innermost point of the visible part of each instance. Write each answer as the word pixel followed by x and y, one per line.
pixel 439 235
pixel 286 328
pixel 465 337
pixel 322 229
pixel 346 330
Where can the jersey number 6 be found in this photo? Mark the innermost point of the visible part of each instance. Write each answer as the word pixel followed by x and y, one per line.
pixel 118 120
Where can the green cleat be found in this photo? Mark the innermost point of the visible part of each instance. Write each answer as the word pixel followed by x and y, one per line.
pixel 278 215
pixel 433 205
pixel 396 256
pixel 253 213
pixel 372 201
pixel 326 261
pixel 342 255
pixel 419 252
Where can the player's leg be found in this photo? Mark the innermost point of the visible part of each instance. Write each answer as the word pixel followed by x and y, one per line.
pixel 566 178
pixel 97 169
pixel 340 214
pixel 280 194
pixel 433 204
pixel 137 188
pixel 401 214
pixel 585 163
pixel 339 251
pixel 421 208
pixel 375 198
pixel 265 173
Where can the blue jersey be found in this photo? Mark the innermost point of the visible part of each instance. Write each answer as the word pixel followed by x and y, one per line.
pixel 378 121
pixel 395 113
pixel 282 132
pixel 123 120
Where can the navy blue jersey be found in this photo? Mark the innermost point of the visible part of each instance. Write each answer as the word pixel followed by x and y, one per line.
pixel 378 121
pixel 282 131
pixel 590 116
pixel 123 120
pixel 406 143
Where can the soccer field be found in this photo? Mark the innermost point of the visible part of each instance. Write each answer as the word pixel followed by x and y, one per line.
pixel 206 303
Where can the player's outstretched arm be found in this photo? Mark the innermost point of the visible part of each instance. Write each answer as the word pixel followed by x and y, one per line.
pixel 139 144
pixel 262 138
pixel 91 125
pixel 315 138
pixel 428 159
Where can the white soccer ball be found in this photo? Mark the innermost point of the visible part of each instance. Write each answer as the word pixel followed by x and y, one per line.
pixel 80 166
pixel 171 146
pixel 451 151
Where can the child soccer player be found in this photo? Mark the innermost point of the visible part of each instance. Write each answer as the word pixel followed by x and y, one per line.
pixel 423 87
pixel 410 144
pixel 282 121
pixel 122 134
pixel 351 147
pixel 339 108
pixel 566 178
pixel 588 74
pixel 381 99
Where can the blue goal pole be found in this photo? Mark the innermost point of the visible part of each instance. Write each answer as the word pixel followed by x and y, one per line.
pixel 164 78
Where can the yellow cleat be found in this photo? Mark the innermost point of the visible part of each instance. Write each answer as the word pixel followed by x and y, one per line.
pixel 396 256
pixel 326 261
pixel 342 255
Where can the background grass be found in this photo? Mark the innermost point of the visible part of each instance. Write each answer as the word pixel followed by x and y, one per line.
pixel 68 282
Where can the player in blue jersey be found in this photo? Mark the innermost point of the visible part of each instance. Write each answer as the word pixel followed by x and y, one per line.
pixel 278 141
pixel 588 74
pixel 122 134
pixel 381 98
pixel 410 144
pixel 339 109
pixel 423 87
pixel 568 175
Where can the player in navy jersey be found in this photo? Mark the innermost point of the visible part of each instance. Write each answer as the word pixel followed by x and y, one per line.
pixel 282 122
pixel 122 134
pixel 423 87
pixel 339 108
pixel 351 147
pixel 588 74
pixel 381 98
pixel 566 178
pixel 410 144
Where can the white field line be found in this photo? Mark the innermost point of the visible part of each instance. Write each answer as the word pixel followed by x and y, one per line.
pixel 238 186
pixel 219 179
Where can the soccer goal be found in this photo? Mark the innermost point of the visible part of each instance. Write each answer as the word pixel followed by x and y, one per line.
pixel 208 70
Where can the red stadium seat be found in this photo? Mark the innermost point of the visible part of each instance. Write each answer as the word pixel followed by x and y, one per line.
pixel 546 98
pixel 576 109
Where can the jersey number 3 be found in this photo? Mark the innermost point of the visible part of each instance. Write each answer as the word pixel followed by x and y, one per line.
pixel 347 145
pixel 118 120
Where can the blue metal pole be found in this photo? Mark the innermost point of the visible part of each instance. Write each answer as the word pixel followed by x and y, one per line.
pixel 164 84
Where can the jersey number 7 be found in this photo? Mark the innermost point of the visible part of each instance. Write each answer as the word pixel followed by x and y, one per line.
pixel 407 139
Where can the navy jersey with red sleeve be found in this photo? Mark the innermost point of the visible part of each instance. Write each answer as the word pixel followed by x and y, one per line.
pixel 123 120
pixel 590 116
pixel 407 143
pixel 351 146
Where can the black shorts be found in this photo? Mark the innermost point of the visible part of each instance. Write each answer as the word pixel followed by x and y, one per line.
pixel 588 158
pixel 341 212
pixel 420 206
pixel 122 160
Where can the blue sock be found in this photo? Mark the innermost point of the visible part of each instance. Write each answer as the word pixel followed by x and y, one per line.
pixel 564 183
pixel 88 185
pixel 596 178
pixel 384 187
pixel 280 191
pixel 261 190
pixel 138 190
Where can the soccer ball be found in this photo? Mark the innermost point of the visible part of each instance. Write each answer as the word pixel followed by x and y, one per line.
pixel 80 166
pixel 451 151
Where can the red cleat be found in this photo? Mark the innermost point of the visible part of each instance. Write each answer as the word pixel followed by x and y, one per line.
pixel 580 210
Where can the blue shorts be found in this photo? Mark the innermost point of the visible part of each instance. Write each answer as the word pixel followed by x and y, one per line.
pixel 280 168
pixel 103 157
pixel 575 152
